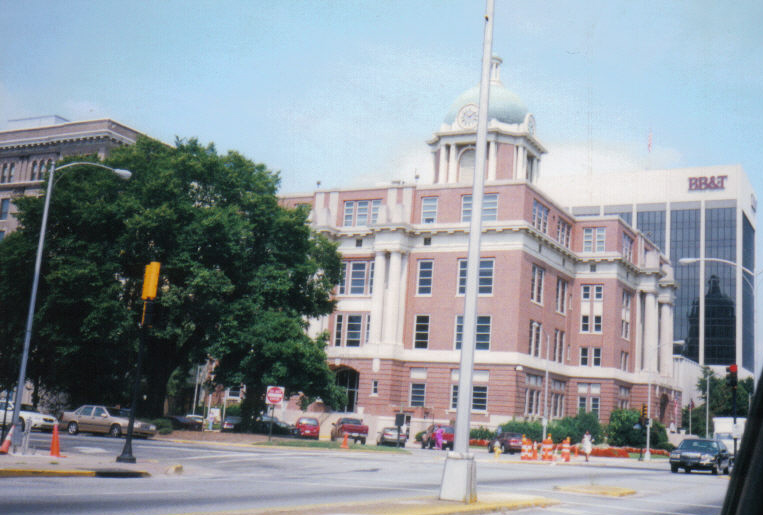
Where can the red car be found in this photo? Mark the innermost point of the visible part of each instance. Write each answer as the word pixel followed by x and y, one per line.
pixel 308 427
pixel 428 438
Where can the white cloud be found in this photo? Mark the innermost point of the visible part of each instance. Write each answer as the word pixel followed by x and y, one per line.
pixel 605 157
pixel 416 160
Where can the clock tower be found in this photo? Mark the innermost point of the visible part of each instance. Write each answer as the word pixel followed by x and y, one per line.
pixel 513 150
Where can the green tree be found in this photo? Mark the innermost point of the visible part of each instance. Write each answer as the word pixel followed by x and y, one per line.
pixel 240 277
pixel 575 427
pixel 621 429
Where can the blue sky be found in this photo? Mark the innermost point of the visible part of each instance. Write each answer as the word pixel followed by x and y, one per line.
pixel 347 93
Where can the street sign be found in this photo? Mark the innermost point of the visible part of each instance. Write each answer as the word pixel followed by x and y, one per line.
pixel 274 395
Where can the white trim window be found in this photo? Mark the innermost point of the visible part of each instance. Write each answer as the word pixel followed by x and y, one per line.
pixel 584 356
pixel 594 239
pixel 418 394
pixel 563 233
pixel 425 274
pixel 536 284
pixel 596 358
pixel 360 212
pixel 589 397
pixel 623 360
pixel 482 335
pixel 559 338
pixel 357 278
pixel 479 397
pixel 485 282
pixel 557 398
pixel 540 216
pixel 429 210
pixel 623 397
pixel 627 247
pixel 561 295
pixel 489 208
pixel 625 322
pixel 351 329
pixel 421 332
pixel 535 343
pixel 534 388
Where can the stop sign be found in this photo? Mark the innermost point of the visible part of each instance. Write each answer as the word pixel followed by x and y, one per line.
pixel 274 395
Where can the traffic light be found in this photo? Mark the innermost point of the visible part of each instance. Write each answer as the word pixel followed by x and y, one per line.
pixel 731 376
pixel 150 280
pixel 643 411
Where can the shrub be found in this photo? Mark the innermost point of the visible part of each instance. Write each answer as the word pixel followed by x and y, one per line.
pixel 481 433
pixel 163 426
pixel 575 427
pixel 531 430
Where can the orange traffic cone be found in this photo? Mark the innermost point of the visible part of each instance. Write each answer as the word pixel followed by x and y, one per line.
pixel 55 449
pixel 344 442
pixel 7 442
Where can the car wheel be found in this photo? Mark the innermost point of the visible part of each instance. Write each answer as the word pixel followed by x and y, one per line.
pixel 714 470
pixel 423 444
pixel 687 470
pixel 115 431
pixel 362 441
pixel 72 428
pixel 726 470
pixel 431 444
pixel 674 468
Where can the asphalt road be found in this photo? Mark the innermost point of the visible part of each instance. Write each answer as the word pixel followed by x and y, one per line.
pixel 222 478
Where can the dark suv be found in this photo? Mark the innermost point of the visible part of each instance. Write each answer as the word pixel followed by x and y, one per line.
pixel 507 442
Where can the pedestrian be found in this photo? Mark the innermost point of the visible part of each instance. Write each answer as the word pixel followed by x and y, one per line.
pixel 587 444
pixel 438 437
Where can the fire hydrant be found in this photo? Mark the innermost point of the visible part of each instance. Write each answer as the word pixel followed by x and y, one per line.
pixel 497 449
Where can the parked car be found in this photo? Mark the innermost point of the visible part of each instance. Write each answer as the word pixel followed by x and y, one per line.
pixel 428 438
pixel 28 416
pixel 280 428
pixel 231 423
pixel 507 442
pixel 353 428
pixel 699 453
pixel 100 419
pixel 389 436
pixel 187 422
pixel 308 427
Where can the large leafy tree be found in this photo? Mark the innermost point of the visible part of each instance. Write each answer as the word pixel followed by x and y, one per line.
pixel 240 277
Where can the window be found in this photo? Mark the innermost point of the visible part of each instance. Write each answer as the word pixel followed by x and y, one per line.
pixel 588 397
pixel 429 210
pixel 597 323
pixel 585 324
pixel 563 233
pixel 623 360
pixel 583 356
pixel 623 397
pixel 533 395
pixel 536 284
pixel 627 247
pixel 358 278
pixel 418 394
pixel 594 239
pixel 540 216
pixel 557 398
pixel 338 330
pixel 11 171
pixel 356 212
pixel 4 174
pixel 425 277
pixel 375 387
pixel 33 173
pixel 535 330
pixel 485 283
pixel 596 356
pixel 2 235
pixel 5 205
pixel 561 295
pixel 558 355
pixel 625 322
pixel 359 242
pixel 489 208
pixel 421 332
pixel 592 296
pixel 482 335
pixel 351 330
pixel 597 290
pixel 479 397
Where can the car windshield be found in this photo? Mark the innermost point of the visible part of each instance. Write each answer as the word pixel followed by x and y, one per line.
pixel 448 429
pixel 724 436
pixel 698 445
pixel 308 421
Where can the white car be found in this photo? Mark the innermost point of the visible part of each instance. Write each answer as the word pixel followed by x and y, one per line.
pixel 34 419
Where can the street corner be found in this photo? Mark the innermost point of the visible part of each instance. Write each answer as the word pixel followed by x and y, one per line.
pixel 602 490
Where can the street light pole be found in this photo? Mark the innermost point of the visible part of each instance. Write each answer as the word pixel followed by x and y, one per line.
pixel 545 387
pixel 123 174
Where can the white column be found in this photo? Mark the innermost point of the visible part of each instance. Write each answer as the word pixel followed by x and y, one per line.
pixel 651 336
pixel 443 174
pixel 666 339
pixel 638 365
pixel 492 164
pixel 377 299
pixel 391 299
pixel 452 165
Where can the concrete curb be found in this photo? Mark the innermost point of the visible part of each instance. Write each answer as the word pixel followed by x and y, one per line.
pixel 112 473
pixel 609 491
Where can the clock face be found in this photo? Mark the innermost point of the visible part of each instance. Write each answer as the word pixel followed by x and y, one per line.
pixel 467 116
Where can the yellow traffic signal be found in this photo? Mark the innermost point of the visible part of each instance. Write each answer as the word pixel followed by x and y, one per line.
pixel 150 281
pixel 643 410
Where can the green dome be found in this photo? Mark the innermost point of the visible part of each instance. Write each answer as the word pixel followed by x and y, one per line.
pixel 504 105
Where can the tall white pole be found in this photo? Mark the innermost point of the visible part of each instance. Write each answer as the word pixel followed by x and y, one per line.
pixel 459 478
pixel 545 387
pixel 648 454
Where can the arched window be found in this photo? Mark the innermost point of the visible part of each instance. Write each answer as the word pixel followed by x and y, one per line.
pixel 466 166
pixel 349 378
pixel 33 173
pixel 11 172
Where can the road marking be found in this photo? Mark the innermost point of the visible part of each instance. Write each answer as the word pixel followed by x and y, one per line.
pixel 132 492
pixel 91 450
